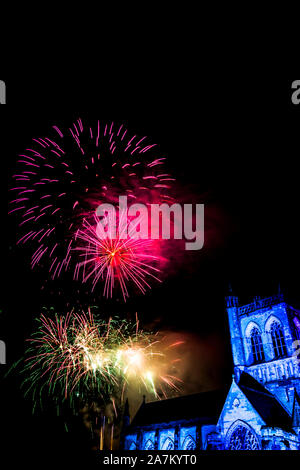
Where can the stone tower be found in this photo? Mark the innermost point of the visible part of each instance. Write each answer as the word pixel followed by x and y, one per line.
pixel 265 340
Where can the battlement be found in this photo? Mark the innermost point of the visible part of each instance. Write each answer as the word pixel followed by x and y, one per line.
pixel 260 304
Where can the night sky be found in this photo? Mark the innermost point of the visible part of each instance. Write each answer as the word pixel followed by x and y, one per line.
pixel 234 148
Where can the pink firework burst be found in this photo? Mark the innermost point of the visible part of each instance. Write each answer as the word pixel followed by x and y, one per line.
pixel 62 179
pixel 118 261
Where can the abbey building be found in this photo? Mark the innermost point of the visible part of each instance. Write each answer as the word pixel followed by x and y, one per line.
pixel 260 410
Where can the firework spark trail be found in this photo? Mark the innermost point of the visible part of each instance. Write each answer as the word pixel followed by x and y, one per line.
pixel 63 178
pixel 79 355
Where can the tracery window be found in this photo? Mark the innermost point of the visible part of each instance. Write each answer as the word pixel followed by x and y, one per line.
pixel 130 442
pixel 278 340
pixel 242 438
pixel 257 346
pixel 132 446
pixel 297 327
pixel 168 444
pixel 149 445
pixel 189 443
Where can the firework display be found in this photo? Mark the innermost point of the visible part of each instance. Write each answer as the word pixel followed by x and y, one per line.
pixel 59 183
pixel 83 362
pixel 80 356
pixel 124 260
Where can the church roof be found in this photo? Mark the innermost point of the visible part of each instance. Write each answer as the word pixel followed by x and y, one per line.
pixel 204 407
pixel 267 406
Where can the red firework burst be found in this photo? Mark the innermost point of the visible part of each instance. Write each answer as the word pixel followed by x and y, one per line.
pixel 116 260
pixel 63 178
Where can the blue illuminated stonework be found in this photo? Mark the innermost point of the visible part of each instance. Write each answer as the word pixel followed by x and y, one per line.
pixel 261 408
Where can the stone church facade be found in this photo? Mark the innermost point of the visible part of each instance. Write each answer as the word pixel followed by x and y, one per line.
pixel 261 408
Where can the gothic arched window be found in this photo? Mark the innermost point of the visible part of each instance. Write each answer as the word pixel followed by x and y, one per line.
pixel 149 445
pixel 242 438
pixel 132 446
pixel 257 346
pixel 278 340
pixel 130 442
pixel 297 328
pixel 168 444
pixel 189 443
